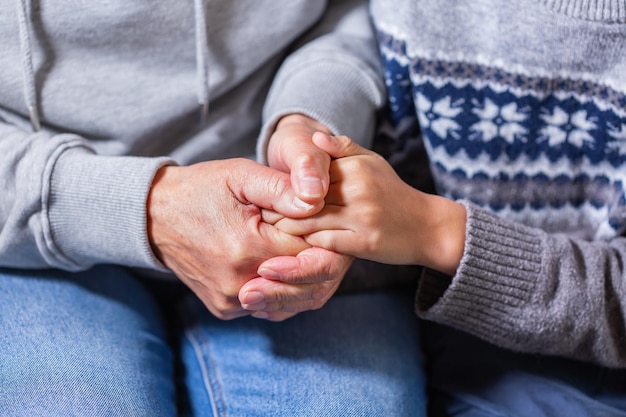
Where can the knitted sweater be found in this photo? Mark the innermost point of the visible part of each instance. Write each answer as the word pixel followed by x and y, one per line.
pixel 521 107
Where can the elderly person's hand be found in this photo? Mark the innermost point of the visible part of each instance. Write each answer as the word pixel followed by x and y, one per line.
pixel 204 223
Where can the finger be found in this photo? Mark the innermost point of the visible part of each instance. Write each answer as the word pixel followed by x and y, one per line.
pixel 308 165
pixel 330 218
pixel 286 299
pixel 342 241
pixel 312 265
pixel 273 316
pixel 293 306
pixel 259 293
pixel 230 310
pixel 295 227
pixel 338 146
pixel 279 242
pixel 270 189
pixel 290 299
pixel 288 306
pixel 321 271
pixel 231 315
pixel 271 217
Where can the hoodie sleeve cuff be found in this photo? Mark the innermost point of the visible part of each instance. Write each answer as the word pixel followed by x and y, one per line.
pixel 494 282
pixel 96 209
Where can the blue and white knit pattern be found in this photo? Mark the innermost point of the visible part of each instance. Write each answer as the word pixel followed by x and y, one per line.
pixel 547 152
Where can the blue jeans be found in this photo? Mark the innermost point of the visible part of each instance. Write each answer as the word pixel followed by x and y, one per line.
pixel 97 344
pixel 471 378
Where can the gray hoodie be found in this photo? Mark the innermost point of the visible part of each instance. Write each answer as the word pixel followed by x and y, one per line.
pixel 96 96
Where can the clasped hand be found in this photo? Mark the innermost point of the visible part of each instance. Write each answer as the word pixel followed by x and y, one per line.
pixel 205 224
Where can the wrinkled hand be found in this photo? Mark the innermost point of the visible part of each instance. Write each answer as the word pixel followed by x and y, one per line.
pixel 204 223
pixel 291 284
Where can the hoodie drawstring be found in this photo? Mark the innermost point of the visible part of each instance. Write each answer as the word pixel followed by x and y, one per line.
pixel 202 57
pixel 28 73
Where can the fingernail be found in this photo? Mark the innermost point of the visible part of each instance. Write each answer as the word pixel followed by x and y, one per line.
pixel 302 205
pixel 252 297
pixel 311 187
pixel 268 273
pixel 260 315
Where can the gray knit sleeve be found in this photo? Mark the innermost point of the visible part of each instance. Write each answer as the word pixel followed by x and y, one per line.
pixel 63 206
pixel 527 290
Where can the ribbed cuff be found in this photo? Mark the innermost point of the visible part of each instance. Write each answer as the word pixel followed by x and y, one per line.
pixel 496 278
pixel 96 209
pixel 609 11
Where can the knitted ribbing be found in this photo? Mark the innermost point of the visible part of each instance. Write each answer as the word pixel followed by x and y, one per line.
pixel 596 10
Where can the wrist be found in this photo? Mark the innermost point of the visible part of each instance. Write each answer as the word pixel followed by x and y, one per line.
pixel 446 235
pixel 156 206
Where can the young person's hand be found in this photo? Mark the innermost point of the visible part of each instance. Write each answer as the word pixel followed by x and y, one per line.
pixel 371 213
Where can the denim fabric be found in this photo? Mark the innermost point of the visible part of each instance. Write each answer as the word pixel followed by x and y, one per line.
pixel 94 344
pixel 86 344
pixel 471 378
pixel 357 356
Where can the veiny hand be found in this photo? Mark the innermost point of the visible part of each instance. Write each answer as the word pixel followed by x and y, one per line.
pixel 291 284
pixel 204 223
pixel 371 213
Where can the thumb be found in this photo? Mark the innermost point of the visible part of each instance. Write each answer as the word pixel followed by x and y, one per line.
pixel 338 146
pixel 271 189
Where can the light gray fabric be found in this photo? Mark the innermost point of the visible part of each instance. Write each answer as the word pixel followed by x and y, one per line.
pixel 30 94
pixel 116 86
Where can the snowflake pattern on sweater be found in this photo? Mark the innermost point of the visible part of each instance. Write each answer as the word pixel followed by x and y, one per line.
pixel 548 152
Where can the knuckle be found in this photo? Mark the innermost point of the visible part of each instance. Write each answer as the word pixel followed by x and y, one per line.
pixel 359 163
pixel 278 183
pixel 237 251
pixel 371 215
pixel 229 292
pixel 373 241
pixel 233 315
pixel 306 160
pixel 328 242
pixel 220 314
pixel 232 293
pixel 317 304
pixel 279 297
pixel 359 190
pixel 224 307
pixel 351 164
